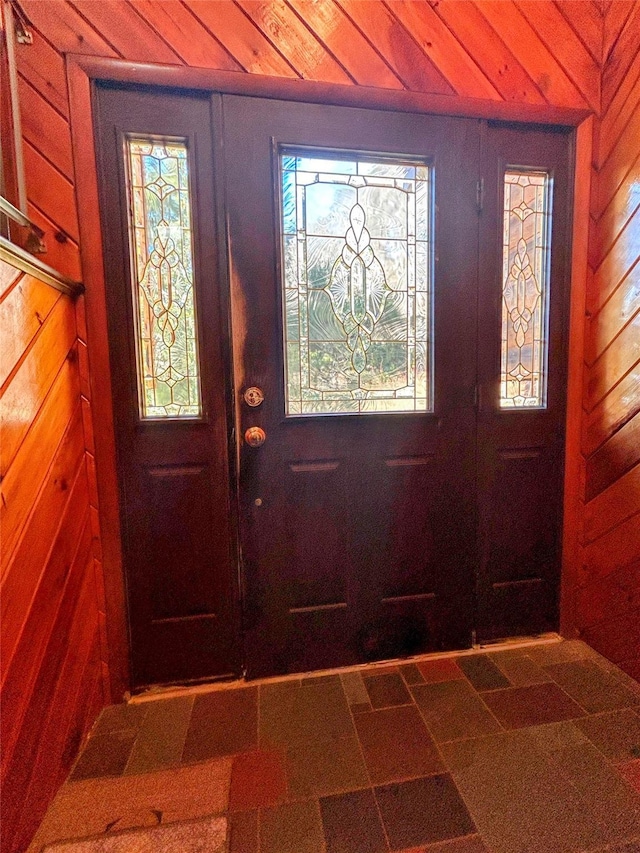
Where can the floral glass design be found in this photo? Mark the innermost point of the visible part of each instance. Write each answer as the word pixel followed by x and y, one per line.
pixel 525 289
pixel 163 290
pixel 357 283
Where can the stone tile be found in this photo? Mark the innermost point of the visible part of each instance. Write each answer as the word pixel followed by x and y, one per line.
pixel 104 755
pixel 422 811
pixel 386 691
pixel 626 847
pixel 518 799
pixel 361 708
pixel 292 828
pixel 411 673
pixel 89 807
pixel 482 672
pixel 397 745
pixel 470 844
pixel 161 738
pixel 321 768
pixel 258 779
pixel 291 716
pixel 351 823
pixel 452 710
pixel 615 733
pixel 311 678
pixel 354 689
pixel 531 706
pixel 119 718
pixel 440 669
pixel 630 771
pixel 243 832
pixel 605 796
pixel 547 654
pixel 201 836
pixel 592 687
pixel 519 668
pixel 223 722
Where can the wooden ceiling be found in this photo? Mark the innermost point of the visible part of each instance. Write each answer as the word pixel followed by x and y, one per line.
pixel 539 52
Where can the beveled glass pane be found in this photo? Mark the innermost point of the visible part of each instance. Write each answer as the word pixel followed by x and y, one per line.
pixel 357 284
pixel 525 289
pixel 162 287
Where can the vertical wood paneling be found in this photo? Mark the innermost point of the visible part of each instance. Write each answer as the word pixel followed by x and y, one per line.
pixel 45 639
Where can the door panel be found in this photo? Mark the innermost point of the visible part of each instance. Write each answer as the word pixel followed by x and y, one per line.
pixel 175 479
pixel 520 449
pixel 349 553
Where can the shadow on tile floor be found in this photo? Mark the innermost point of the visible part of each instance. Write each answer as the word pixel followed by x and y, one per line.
pixel 530 750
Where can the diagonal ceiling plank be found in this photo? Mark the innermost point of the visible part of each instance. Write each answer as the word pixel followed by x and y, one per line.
pixel 126 31
pixel 493 56
pixel 241 38
pixel 193 43
pixel 65 28
pixel 345 41
pixel 566 48
pixel 587 22
pixel 514 29
pixel 279 23
pixel 615 18
pixel 622 55
pixel 398 48
pixel 442 47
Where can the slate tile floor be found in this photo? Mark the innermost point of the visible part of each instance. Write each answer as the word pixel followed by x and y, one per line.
pixel 529 750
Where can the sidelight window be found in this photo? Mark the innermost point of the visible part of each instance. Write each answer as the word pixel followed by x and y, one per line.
pixel 162 270
pixel 357 259
pixel 525 289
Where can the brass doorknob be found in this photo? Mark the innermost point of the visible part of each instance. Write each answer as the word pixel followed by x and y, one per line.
pixel 255 436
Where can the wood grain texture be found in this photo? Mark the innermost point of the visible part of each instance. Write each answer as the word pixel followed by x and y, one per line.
pixel 548 52
pixel 31 383
pixel 48 630
pixel 607 604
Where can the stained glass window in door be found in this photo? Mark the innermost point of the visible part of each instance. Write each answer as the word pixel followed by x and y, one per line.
pixel 525 289
pixel 357 259
pixel 162 271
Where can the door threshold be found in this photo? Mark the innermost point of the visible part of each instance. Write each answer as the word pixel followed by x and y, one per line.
pixel 507 644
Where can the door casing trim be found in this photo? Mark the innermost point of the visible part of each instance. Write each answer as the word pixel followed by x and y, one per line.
pixel 82 73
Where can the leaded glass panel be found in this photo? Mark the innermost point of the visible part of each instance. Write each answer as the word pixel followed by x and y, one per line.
pixel 357 284
pixel 162 287
pixel 525 289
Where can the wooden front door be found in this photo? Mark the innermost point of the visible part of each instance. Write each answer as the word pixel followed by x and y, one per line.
pixel 394 402
pixel 358 511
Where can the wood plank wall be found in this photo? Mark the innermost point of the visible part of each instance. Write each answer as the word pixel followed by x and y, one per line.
pixel 52 681
pixel 524 51
pixel 607 604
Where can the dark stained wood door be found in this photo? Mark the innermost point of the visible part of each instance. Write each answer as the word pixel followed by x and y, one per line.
pixel 175 479
pixel 358 530
pixel 362 530
pixel 521 447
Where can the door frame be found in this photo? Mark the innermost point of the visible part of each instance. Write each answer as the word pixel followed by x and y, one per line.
pixel 82 74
